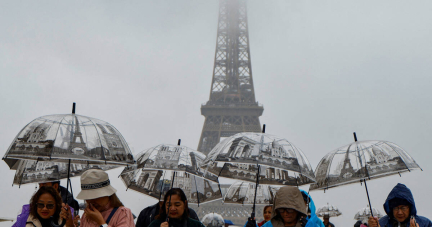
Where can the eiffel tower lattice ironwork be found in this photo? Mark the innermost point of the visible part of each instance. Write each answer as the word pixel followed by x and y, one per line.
pixel 232 107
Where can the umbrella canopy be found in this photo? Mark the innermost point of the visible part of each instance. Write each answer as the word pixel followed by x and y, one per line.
pixel 213 220
pixel 238 157
pixel 361 160
pixel 64 137
pixel 329 210
pixel 364 213
pixel 30 171
pixel 244 192
pixel 165 166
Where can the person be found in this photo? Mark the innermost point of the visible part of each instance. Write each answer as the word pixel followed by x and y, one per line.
pixel 175 211
pixel 312 218
pixel 45 206
pixel 358 223
pixel 148 214
pixel 66 196
pixel 327 222
pixel 400 207
pixel 289 209
pixel 103 207
pixel 267 215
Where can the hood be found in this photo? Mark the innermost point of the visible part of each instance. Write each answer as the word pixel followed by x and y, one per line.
pixel 402 192
pixel 311 203
pixel 289 197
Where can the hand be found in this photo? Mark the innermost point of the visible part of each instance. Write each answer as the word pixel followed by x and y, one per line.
pixel 65 214
pixel 76 219
pixel 251 222
pixel 413 222
pixel 303 221
pixel 94 215
pixel 373 222
pixel 164 224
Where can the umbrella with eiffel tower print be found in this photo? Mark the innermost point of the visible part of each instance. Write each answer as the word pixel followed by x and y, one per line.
pixel 361 161
pixel 168 166
pixel 260 158
pixel 68 138
pixel 64 137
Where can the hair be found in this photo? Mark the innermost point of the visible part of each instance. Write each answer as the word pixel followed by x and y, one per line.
pixel 173 191
pixel 265 208
pixel 45 190
pixel 115 201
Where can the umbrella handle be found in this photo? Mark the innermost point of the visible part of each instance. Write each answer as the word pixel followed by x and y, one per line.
pixel 54 225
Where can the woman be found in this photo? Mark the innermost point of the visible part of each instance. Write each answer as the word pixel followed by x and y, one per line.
pixel 267 215
pixel 175 207
pixel 44 204
pixel 288 209
pixel 103 207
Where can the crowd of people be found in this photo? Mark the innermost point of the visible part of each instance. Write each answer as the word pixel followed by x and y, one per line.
pixel 53 206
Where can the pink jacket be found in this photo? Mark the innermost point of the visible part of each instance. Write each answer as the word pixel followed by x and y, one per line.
pixel 122 218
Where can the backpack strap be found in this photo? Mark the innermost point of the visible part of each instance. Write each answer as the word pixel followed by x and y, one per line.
pixel 111 214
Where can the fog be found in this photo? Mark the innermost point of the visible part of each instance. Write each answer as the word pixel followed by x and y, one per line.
pixel 322 70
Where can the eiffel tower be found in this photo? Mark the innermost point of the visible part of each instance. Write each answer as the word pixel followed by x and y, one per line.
pixel 232 107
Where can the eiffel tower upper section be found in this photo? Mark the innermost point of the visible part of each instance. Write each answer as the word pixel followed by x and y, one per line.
pixel 232 107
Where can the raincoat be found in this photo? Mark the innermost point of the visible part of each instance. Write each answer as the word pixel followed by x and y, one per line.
pixel 286 197
pixel 313 220
pixel 402 192
pixel 35 222
pixel 24 216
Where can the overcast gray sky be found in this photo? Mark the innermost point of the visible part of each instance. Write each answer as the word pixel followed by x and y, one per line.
pixel 322 70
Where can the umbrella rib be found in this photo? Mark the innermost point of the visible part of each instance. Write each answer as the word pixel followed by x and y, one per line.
pixel 328 167
pixel 100 140
pixel 399 156
pixel 52 150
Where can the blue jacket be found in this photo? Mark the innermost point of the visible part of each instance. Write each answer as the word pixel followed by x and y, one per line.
pixel 402 192
pixel 313 220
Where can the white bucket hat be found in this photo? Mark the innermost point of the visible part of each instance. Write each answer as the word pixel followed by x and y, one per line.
pixel 95 184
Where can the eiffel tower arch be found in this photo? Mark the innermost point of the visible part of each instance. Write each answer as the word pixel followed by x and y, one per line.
pixel 232 107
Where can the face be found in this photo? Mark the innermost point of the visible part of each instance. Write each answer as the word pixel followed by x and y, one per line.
pixel 401 213
pixel 326 220
pixel 98 203
pixel 177 207
pixel 267 213
pixel 288 215
pixel 46 206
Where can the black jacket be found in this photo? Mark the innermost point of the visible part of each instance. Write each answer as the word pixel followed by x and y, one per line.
pixel 148 215
pixel 67 198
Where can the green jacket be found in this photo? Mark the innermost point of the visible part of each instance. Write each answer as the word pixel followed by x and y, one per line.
pixel 190 223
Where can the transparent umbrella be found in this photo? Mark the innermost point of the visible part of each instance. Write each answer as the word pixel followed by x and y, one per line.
pixel 238 157
pixel 30 171
pixel 166 166
pixel 360 161
pixel 213 220
pixel 364 213
pixel 68 138
pixel 244 192
pixel 329 210
pixel 260 158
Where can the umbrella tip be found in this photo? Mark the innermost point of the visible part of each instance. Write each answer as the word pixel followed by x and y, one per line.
pixel 355 136
pixel 263 130
pixel 73 108
pixel 179 142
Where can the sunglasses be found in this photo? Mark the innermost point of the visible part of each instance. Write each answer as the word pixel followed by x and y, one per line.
pixel 283 210
pixel 48 206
